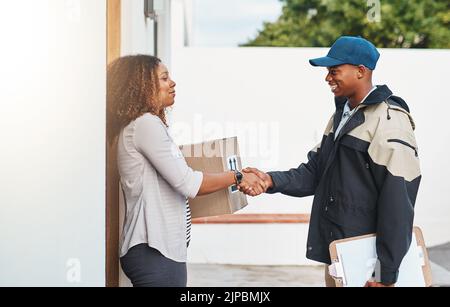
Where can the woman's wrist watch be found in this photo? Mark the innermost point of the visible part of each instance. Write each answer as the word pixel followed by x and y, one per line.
pixel 238 177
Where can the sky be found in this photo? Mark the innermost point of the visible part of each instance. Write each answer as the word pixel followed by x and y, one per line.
pixel 228 23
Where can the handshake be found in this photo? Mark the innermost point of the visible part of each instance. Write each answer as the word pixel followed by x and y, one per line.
pixel 254 182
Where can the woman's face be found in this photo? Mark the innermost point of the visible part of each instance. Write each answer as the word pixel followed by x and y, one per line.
pixel 166 86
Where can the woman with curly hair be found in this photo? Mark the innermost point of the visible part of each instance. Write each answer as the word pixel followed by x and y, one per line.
pixel 154 176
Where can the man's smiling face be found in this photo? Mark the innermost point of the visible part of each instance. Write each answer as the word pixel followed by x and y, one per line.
pixel 342 79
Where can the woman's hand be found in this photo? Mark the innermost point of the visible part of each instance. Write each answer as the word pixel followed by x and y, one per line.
pixel 252 184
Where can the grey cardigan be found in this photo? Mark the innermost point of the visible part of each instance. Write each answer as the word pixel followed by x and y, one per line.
pixel 155 180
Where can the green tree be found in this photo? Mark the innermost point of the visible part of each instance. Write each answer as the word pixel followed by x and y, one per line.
pixel 388 24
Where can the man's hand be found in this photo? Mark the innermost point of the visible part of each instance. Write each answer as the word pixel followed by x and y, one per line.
pixel 252 185
pixel 374 284
pixel 258 182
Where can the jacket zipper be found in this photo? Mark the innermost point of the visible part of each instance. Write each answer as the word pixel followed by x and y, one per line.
pixel 404 143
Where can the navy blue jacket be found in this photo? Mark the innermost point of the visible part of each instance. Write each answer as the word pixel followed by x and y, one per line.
pixel 365 181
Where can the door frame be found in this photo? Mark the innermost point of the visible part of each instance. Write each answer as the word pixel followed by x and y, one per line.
pixel 112 176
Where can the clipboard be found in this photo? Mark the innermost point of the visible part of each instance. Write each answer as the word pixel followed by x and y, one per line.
pixel 353 260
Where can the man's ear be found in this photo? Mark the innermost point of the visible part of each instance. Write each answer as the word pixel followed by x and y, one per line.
pixel 362 71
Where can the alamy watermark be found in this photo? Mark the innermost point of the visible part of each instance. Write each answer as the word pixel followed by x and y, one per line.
pixel 73 11
pixel 374 13
pixel 258 140
pixel 73 273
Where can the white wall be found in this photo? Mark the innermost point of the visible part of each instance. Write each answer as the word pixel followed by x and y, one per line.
pixel 249 244
pixel 278 106
pixel 138 32
pixel 52 130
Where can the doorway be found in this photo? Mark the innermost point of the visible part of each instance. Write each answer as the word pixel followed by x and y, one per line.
pixel 112 175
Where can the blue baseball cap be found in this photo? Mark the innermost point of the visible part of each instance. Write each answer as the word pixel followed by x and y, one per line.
pixel 349 50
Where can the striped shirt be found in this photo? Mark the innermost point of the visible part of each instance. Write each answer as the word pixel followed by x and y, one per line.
pixel 188 223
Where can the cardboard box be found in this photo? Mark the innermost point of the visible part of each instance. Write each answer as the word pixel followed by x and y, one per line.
pixel 214 157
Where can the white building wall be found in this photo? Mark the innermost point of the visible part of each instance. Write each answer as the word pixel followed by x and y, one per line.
pixel 249 244
pixel 278 106
pixel 52 131
pixel 138 32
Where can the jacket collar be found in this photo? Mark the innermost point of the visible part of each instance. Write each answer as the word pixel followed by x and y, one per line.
pixel 380 94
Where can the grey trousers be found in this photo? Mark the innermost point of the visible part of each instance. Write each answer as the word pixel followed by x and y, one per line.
pixel 147 267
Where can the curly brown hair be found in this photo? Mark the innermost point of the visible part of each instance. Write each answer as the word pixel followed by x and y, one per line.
pixel 132 90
